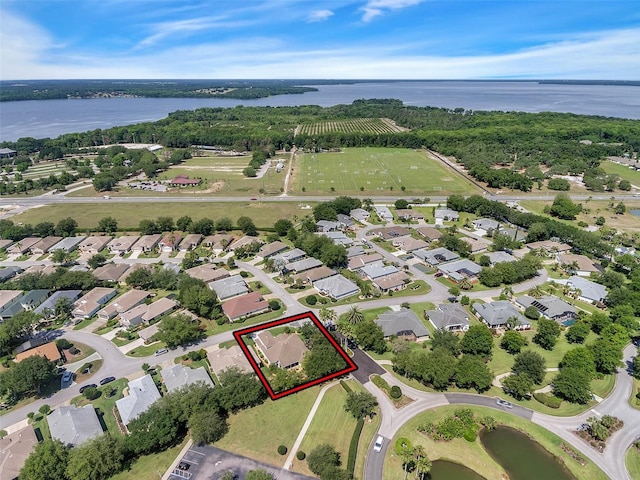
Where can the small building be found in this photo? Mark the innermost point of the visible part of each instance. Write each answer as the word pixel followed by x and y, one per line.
pixel 48 350
pixel 44 245
pixel 409 244
pixel 345 222
pixel 392 283
pixel 383 212
pixel 289 256
pixel 43 270
pixel 218 243
pixel 409 214
pixel 323 226
pixel 376 270
pixel 190 242
pixel 579 264
pixel 8 296
pixel 359 214
pixel 229 287
pixel 476 245
pixel 245 306
pixel 123 303
pixel 436 256
pixel 222 359
pixel 184 181
pixel 450 317
pixel 590 292
pixel 271 249
pixel 23 246
pixel 315 274
pixel 390 233
pixel 207 272
pixel 7 273
pixel 48 307
pixel 15 448
pixel 356 263
pixel 170 242
pixel 498 314
pixel 27 302
pixel 111 272
pixel 146 243
pixel 94 244
pixel 484 226
pixel 549 306
pixel 73 425
pixel 355 250
pixel 302 265
pixel 90 303
pixel 123 244
pixel 7 153
pixel 336 287
pixel 430 234
pixel 446 215
pixel 460 269
pixel 514 233
pixel 147 313
pixel 285 350
pixel 500 257
pixel 5 243
pixel 246 241
pixel 68 244
pixel 402 324
pixel 338 238
pixel 142 394
pixel 179 376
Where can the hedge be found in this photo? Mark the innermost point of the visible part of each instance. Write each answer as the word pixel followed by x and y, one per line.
pixel 345 386
pixel 548 400
pixel 353 447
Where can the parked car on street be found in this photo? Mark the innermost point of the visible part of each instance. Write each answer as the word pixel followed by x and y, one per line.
pixel 84 387
pixel 106 380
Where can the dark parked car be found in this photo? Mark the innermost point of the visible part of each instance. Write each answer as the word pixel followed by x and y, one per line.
pixel 84 387
pixel 184 466
pixel 106 380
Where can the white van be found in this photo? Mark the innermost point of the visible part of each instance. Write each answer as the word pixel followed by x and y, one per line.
pixel 378 445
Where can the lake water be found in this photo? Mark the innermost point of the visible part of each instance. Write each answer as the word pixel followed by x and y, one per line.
pixel 50 118
pixel 443 470
pixel 521 457
pixel 635 211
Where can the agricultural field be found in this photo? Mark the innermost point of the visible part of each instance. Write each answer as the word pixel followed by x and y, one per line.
pixel 375 171
pixel 356 125
pixel 128 215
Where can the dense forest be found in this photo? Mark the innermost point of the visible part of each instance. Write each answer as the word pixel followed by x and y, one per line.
pixel 242 89
pixel 503 149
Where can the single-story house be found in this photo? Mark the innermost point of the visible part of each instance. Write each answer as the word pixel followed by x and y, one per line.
pixel 68 244
pixel 218 243
pixel 500 257
pixel 89 304
pixel 229 287
pixel 48 307
pixel 409 214
pixel 170 242
pixel 315 274
pixel 356 263
pixel 359 214
pixel 376 270
pixel 8 296
pixel 446 215
pixel 436 256
pixel 40 269
pixel 147 313
pixel 44 245
pixel 496 314
pixel 147 243
pixel 183 180
pixel 5 243
pixel 393 282
pixel 336 287
pixel 476 245
pixel 15 448
pixel 431 234
pixel 111 272
pixel 223 358
pixel 550 307
pixel 338 238
pixel 549 246
pixel 7 273
pixel 179 376
pixel 389 233
pixel 245 241
pixel 345 222
pixel 289 256
pixel 302 265
pixel 485 225
pixel 94 244
pixel 142 394
pixel 33 342
pixel 383 213
pixel 409 244
pixel 285 350
pixel 271 249
pixel 48 350
pixel 7 153
pixel 459 269
pixel 584 266
pixel 190 242
pixel 123 244
pixel 122 279
pixel 73 425
pixel 245 306
pixel 124 302
pixel 207 272
pixel 146 333
pixel 355 250
pixel 403 324
pixel 27 302
pixel 450 317
pixel 23 246
pixel 514 233
pixel 323 226
pixel 591 292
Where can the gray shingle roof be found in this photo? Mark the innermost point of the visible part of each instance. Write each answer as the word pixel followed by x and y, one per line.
pixel 229 287
pixel 393 323
pixel 178 376
pixel 436 256
pixel 336 286
pixel 449 317
pixel 496 314
pixel 588 289
pixel 50 303
pixel 142 393
pixel 548 305
pixel 74 426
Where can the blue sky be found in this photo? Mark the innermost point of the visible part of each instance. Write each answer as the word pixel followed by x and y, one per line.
pixel 350 39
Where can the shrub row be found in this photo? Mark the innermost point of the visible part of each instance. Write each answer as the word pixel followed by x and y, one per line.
pixel 345 386
pixel 548 400
pixel 353 447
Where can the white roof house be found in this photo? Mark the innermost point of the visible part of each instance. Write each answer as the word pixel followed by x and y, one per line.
pixel 336 287
pixel 142 394
pixel 74 425
pixel 179 376
pixel 589 291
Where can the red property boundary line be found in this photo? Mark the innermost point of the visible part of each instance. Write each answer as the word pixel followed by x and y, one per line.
pixel 351 366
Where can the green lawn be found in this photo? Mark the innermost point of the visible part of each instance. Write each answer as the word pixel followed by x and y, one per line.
pixel 632 460
pixel 151 467
pixel 271 424
pixel 623 172
pixel 128 215
pixel 472 454
pixel 633 400
pixel 146 350
pixel 374 171
pixel 104 404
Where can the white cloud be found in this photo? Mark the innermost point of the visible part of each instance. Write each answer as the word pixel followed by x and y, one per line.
pixel 319 15
pixel 375 8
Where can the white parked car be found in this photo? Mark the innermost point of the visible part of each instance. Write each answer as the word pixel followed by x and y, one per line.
pixel 378 445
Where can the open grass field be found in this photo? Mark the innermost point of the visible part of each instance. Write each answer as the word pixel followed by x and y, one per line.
pixel 472 454
pixel 595 209
pixel 257 432
pixel 129 215
pixel 633 462
pixel 625 173
pixel 376 171
pixel 151 467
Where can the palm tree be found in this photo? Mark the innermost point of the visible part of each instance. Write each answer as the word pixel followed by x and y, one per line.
pixel 465 284
pixel 536 292
pixel 422 463
pixel 327 315
pixel 406 453
pixel 354 315
pixel 507 291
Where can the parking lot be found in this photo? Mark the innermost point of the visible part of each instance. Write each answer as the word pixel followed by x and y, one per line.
pixel 211 463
